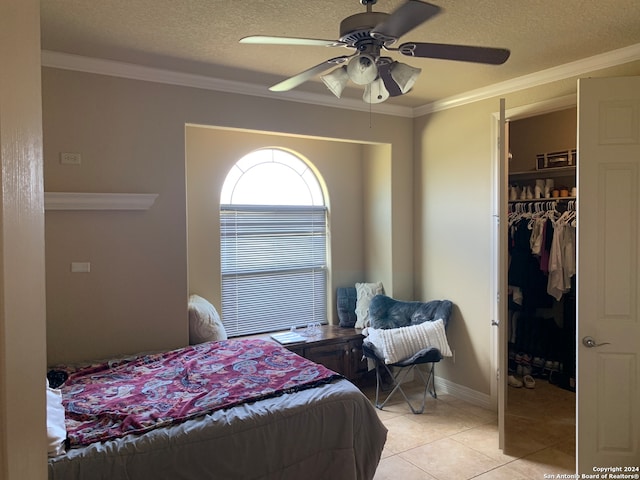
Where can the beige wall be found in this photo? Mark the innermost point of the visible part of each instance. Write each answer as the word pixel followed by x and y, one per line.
pixel 131 135
pixel 133 299
pixel 454 233
pixel 547 133
pixel 22 292
pixel 378 219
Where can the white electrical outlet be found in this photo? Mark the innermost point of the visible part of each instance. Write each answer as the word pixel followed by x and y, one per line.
pixel 69 158
pixel 80 267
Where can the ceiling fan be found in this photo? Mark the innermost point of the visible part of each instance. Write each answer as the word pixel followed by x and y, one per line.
pixel 370 33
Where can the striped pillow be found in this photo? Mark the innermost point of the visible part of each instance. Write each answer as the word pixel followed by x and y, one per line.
pixel 397 344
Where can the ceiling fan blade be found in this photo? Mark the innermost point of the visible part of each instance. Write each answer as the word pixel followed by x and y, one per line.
pixel 385 74
pixel 308 74
pixel 404 19
pixel 463 53
pixel 311 42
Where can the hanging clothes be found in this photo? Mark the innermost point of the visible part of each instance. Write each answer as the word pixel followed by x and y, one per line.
pixel 542 254
pixel 524 270
pixel 542 268
pixel 562 257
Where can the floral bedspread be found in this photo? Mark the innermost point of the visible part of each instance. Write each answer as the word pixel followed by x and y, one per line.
pixel 110 400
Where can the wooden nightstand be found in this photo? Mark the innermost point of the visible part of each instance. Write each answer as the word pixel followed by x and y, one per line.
pixel 337 348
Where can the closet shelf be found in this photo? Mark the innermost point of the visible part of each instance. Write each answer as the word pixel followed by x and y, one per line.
pixel 544 200
pixel 98 201
pixel 546 173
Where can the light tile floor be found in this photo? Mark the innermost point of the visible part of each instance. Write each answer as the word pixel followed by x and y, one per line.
pixel 454 439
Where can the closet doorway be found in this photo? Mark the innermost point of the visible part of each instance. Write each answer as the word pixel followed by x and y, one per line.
pixel 608 374
pixel 540 394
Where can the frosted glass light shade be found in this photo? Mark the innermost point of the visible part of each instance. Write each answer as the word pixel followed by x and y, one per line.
pixel 404 75
pixel 362 69
pixel 336 80
pixel 375 92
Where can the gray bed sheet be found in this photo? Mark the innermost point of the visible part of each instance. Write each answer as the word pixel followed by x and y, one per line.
pixel 327 432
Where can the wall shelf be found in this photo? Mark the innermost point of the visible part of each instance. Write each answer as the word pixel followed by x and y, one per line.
pixel 98 201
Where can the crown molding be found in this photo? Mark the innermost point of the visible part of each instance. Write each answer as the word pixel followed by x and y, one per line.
pixel 67 61
pixel 138 72
pixel 540 108
pixel 554 74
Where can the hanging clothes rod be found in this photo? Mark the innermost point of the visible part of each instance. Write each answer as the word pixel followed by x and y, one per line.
pixel 543 205
pixel 553 199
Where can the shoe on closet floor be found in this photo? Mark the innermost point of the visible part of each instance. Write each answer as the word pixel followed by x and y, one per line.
pixel 538 362
pixel 523 358
pixel 522 370
pixel 529 382
pixel 552 366
pixel 514 382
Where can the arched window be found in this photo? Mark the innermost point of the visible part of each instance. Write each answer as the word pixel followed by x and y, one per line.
pixel 273 244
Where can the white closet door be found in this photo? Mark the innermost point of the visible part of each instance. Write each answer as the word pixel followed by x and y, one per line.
pixel 608 328
pixel 501 315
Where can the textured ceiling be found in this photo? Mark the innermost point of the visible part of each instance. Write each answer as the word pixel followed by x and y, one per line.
pixel 201 37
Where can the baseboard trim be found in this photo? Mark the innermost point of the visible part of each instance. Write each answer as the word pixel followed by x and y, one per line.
pixel 464 393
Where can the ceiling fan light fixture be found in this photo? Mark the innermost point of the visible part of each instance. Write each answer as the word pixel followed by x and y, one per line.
pixel 375 92
pixel 336 80
pixel 404 75
pixel 362 69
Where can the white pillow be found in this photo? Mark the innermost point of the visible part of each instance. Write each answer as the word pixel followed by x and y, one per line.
pixel 397 344
pixel 364 293
pixel 204 321
pixel 56 429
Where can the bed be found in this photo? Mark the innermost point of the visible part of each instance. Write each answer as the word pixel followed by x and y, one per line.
pixel 303 421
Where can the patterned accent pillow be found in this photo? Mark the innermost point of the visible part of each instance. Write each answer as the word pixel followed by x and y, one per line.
pixel 365 292
pixel 397 344
pixel 204 321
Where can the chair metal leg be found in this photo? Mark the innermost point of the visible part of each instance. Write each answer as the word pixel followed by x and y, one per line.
pixel 432 374
pixel 397 378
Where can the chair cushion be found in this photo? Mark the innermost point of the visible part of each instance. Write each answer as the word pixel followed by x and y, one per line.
pixel 346 303
pixel 386 312
pixel 397 344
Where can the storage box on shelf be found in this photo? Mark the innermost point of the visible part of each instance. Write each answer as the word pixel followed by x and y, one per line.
pixel 554 160
pixel 554 178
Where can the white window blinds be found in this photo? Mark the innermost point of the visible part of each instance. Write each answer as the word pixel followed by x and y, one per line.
pixel 274 267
